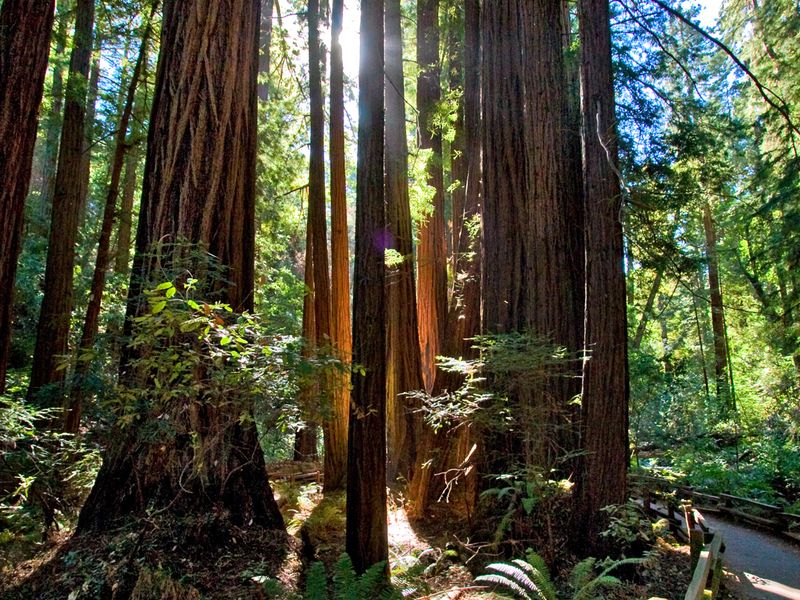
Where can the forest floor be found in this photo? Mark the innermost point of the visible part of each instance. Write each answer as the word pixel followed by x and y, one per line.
pixel 434 560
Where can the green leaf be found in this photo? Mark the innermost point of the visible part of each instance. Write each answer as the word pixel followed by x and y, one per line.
pixel 164 286
pixel 225 341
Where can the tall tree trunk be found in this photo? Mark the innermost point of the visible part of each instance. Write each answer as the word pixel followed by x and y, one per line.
pixel 403 350
pixel 53 119
pixel 74 405
pixel 717 312
pixel 451 451
pixel 199 186
pixel 265 41
pixel 458 159
pixel 648 308
pixel 605 376
pixel 123 252
pixel 317 216
pixel 88 138
pixel 340 258
pixel 367 535
pixel 305 438
pixel 52 333
pixel 431 254
pixel 25 29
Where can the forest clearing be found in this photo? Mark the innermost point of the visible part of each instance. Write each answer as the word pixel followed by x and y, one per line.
pixel 425 299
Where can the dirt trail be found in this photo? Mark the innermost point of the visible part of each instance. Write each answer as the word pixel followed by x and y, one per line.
pixel 766 566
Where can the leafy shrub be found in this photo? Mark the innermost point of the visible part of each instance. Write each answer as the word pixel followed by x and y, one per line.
pixel 44 474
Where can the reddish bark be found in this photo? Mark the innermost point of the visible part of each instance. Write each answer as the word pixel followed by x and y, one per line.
pixel 25 29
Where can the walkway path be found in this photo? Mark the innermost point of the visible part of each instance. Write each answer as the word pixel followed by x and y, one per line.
pixel 767 566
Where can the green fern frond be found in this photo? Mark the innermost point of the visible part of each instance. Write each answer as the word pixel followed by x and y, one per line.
pixel 316 583
pixel 589 591
pixel 582 573
pixel 543 578
pixel 507 585
pixel 373 581
pixel 344 579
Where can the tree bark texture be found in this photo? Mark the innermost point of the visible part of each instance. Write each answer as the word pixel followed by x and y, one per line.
pixel 199 186
pixel 404 372
pixel 317 216
pixel 52 332
pixel 605 376
pixel 453 450
pixel 529 275
pixel 340 257
pixel 74 406
pixel 25 29
pixel 431 253
pixel 717 312
pixel 367 536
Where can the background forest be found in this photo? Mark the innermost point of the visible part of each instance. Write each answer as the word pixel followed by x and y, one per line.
pixel 247 274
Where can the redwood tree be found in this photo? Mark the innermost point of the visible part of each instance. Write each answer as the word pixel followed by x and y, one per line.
pixel 431 254
pixel 25 29
pixel 199 187
pixel 403 350
pixel 340 268
pixel 367 536
pixel 605 375
pixel 528 281
pixel 52 332
pixel 103 259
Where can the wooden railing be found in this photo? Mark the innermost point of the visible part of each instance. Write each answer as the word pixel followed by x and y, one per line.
pixel 752 512
pixel 708 571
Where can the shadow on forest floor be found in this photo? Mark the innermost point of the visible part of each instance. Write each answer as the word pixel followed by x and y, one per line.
pixel 164 558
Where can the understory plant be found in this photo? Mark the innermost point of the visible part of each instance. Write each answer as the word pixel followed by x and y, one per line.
pixel 530 579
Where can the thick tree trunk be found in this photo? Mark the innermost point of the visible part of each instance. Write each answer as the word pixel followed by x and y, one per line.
pixel 431 253
pixel 199 186
pixel 25 29
pixel 336 472
pixel 605 376
pixel 367 536
pixel 453 451
pixel 529 279
pixel 403 350
pixel 52 333
pixel 717 312
pixel 554 301
pixel 74 405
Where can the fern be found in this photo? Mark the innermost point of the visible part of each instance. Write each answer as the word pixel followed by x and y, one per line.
pixel 582 573
pixel 530 579
pixel 589 588
pixel 372 585
pixel 316 583
pixel 520 578
pixel 344 579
